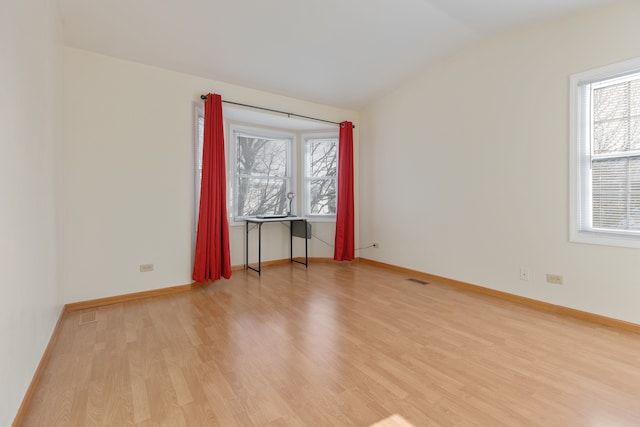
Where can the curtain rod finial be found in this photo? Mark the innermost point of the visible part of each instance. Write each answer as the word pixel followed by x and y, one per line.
pixel 203 97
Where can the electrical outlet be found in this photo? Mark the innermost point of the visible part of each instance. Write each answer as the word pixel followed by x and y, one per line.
pixel 555 278
pixel 524 274
pixel 376 245
pixel 146 267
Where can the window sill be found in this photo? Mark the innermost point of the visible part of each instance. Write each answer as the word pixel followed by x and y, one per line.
pixel 607 239
pixel 321 218
pixel 310 218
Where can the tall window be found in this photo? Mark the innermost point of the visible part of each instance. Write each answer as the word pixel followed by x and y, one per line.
pixel 606 155
pixel 262 171
pixel 198 145
pixel 320 175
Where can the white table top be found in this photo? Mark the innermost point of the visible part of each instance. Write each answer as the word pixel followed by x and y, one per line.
pixel 280 219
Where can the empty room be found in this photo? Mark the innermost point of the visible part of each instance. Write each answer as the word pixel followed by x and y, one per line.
pixel 323 213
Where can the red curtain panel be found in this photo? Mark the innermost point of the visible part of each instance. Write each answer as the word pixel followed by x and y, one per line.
pixel 344 243
pixel 212 258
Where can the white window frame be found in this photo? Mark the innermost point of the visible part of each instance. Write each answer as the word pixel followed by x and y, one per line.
pixel 198 135
pixel 232 170
pixel 306 196
pixel 581 229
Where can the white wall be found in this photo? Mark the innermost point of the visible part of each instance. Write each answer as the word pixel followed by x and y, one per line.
pixel 30 138
pixel 465 170
pixel 128 176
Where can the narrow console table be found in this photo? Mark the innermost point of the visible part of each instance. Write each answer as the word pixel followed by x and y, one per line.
pixel 291 220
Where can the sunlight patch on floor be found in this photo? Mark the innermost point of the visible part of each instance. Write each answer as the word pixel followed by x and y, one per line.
pixel 394 420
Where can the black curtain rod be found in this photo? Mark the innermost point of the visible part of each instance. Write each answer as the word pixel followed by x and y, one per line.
pixel 204 97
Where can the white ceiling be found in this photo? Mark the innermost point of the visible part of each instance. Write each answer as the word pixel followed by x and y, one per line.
pixel 344 53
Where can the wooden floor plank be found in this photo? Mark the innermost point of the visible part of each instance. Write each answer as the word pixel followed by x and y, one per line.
pixel 339 345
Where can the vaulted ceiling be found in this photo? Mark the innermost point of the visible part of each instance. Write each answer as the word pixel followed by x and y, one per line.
pixel 344 53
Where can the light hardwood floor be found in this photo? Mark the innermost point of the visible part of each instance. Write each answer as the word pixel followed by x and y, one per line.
pixel 335 345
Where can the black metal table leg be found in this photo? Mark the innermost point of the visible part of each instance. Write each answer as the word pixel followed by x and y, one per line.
pixel 259 247
pixel 306 247
pixel 257 270
pixel 246 246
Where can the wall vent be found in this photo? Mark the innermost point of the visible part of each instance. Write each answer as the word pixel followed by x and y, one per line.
pixel 414 280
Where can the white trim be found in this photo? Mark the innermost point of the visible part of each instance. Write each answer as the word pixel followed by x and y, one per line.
pixel 607 72
pixel 606 238
pixel 198 112
pixel 574 173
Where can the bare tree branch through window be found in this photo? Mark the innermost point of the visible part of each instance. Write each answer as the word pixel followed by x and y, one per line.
pixel 321 160
pixel 262 175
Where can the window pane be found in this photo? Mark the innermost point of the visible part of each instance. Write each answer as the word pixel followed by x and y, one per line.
pixel 635 97
pixel 262 174
pixel 320 174
pixel 200 133
pixel 634 132
pixel 322 156
pixel 611 102
pixel 198 164
pixel 616 194
pixel 610 137
pixel 322 194
pixel 259 196
pixel 615 117
pixel 262 157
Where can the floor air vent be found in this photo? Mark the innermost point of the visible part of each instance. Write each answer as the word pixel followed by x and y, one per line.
pixel 421 282
pixel 86 318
